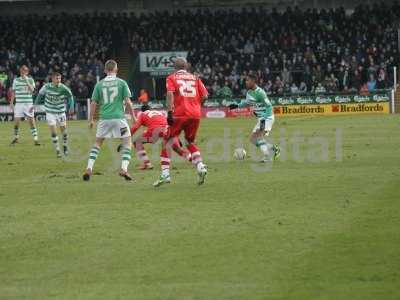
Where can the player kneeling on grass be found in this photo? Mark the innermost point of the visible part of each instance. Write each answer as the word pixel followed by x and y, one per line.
pixel 157 128
pixel 185 93
pixel 56 95
pixel 112 94
pixel 257 98
pixel 23 88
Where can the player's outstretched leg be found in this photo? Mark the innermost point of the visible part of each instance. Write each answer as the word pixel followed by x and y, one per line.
pixel 165 176
pixel 198 162
pixel 142 154
pixel 16 131
pixel 94 152
pixel 178 149
pixel 126 158
pixel 269 151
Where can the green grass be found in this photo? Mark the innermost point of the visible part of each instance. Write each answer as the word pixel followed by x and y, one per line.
pixel 306 229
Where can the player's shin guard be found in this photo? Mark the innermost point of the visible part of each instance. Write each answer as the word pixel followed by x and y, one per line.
pixel 34 133
pixel 54 139
pixel 196 156
pixel 165 162
pixel 126 158
pixel 264 147
pixel 141 153
pixel 65 139
pixel 94 152
pixel 198 162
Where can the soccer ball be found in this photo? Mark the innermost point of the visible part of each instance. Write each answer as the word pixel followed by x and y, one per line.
pixel 239 154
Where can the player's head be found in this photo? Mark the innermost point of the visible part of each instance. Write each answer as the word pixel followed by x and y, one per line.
pixel 111 67
pixel 24 70
pixel 56 78
pixel 145 107
pixel 251 81
pixel 180 63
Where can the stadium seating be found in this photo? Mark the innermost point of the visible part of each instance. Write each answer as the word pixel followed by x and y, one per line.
pixel 293 51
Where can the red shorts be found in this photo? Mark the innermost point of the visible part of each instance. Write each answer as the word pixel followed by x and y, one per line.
pixel 152 135
pixel 188 125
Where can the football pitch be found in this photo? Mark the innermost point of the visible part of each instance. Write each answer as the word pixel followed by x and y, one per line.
pixel 321 223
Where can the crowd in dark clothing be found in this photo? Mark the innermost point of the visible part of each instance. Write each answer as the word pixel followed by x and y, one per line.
pixel 73 45
pixel 294 51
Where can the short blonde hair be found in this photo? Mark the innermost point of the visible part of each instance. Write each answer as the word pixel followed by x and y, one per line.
pixel 110 65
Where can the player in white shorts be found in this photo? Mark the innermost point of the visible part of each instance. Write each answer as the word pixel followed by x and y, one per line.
pixel 23 88
pixel 267 126
pixel 113 129
pixel 263 110
pixel 112 94
pixel 56 95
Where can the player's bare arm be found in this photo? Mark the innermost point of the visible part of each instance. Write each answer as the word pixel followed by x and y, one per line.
pixel 71 109
pixel 92 113
pixel 170 101
pixel 12 99
pixel 31 87
pixel 131 110
pixel 170 107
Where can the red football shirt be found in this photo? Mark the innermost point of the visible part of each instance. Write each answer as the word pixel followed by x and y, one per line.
pixel 151 119
pixel 188 91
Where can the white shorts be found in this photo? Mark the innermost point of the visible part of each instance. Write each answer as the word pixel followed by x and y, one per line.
pixel 56 119
pixel 268 125
pixel 22 110
pixel 115 128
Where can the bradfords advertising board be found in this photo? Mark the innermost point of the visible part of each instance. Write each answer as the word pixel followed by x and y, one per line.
pixel 159 63
pixel 332 109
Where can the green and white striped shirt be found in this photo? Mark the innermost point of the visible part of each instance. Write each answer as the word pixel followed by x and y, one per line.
pixel 260 102
pixel 21 89
pixel 55 97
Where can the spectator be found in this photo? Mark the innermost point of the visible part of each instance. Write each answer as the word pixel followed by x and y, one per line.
pixel 381 81
pixel 286 76
pixel 320 89
pixel 294 89
pixel 278 86
pixel 364 90
pixel 371 84
pixel 143 97
pixel 303 87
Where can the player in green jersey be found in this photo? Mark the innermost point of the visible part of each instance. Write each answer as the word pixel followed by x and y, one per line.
pixel 23 88
pixel 55 96
pixel 112 94
pixel 262 108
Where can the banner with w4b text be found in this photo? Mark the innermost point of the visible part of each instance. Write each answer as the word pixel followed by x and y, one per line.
pixel 159 63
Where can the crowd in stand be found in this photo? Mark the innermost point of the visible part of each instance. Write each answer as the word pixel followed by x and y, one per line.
pixel 293 51
pixel 74 45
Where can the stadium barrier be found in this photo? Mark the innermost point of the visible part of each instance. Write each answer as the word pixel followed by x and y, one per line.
pixel 284 106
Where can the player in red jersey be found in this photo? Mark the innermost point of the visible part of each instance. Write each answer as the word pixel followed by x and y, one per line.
pixel 185 94
pixel 157 128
